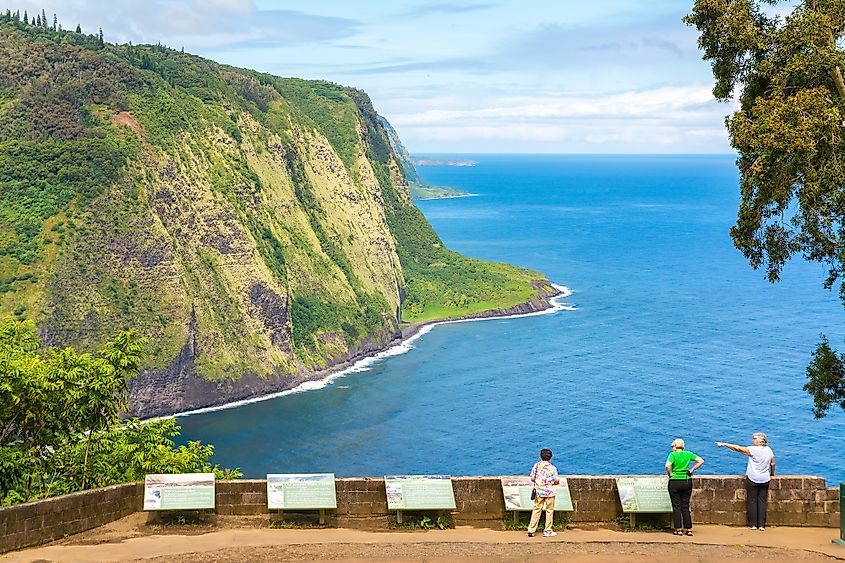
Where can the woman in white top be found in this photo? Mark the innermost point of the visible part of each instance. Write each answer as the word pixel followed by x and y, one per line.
pixel 758 473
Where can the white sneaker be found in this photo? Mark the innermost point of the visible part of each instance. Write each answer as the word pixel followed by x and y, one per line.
pixel 549 534
pixel 752 527
pixel 761 529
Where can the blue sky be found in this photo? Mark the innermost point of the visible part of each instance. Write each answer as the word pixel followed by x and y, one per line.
pixel 600 76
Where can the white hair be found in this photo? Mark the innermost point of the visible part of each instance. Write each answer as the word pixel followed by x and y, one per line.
pixel 762 437
pixel 678 443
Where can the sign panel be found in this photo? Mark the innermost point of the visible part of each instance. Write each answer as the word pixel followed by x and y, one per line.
pixel 419 492
pixel 179 491
pixel 644 494
pixel 517 493
pixel 308 491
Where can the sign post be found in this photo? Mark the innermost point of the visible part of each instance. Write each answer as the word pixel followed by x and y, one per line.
pixel 640 495
pixel 418 492
pixel 307 491
pixel 179 491
pixel 841 539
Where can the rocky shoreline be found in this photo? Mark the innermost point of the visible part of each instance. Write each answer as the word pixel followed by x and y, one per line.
pixel 178 390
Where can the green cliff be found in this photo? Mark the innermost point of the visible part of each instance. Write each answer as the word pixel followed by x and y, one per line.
pixel 256 229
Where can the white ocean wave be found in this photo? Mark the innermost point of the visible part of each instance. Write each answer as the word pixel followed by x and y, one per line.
pixel 365 364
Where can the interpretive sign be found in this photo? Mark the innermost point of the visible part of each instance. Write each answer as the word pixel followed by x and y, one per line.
pixel 309 491
pixel 419 492
pixel 517 493
pixel 644 494
pixel 180 491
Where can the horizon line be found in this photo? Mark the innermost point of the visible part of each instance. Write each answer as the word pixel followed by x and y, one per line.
pixel 577 153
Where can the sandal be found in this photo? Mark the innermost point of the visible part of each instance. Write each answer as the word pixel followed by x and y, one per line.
pixel 678 532
pixel 688 533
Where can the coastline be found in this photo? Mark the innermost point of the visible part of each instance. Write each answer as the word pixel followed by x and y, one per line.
pixel 545 304
pixel 446 197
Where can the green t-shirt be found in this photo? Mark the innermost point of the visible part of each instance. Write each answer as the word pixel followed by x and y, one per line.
pixel 680 463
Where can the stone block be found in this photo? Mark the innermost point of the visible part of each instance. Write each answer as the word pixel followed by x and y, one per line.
pixel 362 509
pixel 369 497
pixel 586 509
pixel 255 498
pixel 786 483
pixel 701 505
pixel 240 486
pixel 14 526
pixel 698 493
pixel 33 523
pixel 243 510
pixel 14 541
pixel 226 499
pixel 813 482
pixel 578 485
pixel 821 519
pixel 360 484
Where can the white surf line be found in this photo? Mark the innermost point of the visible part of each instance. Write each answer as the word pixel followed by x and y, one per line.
pixel 446 197
pixel 364 364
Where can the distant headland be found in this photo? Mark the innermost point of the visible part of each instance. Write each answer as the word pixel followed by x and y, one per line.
pixel 442 162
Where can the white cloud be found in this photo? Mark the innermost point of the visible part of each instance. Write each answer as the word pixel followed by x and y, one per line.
pixel 660 119
pixel 662 103
pixel 195 24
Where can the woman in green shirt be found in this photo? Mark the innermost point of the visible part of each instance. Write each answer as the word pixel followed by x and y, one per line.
pixel 680 485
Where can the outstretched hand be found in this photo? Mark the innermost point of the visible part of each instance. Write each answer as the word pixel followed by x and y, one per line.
pixel 720 444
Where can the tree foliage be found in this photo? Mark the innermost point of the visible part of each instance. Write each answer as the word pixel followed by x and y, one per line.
pixel 790 135
pixel 60 429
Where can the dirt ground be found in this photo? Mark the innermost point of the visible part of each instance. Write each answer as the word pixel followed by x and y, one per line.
pixel 234 539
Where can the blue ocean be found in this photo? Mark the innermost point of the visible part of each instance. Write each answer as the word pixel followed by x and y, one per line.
pixel 671 334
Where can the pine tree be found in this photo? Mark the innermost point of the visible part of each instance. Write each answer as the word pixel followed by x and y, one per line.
pixel 25 17
pixel 17 15
pixel 100 38
pixel 56 25
pixel 43 17
pixel 38 20
pixel 78 28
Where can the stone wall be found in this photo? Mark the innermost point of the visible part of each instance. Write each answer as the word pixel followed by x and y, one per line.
pixel 36 523
pixel 793 501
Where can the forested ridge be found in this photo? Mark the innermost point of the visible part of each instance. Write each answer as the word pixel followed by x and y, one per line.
pixel 245 224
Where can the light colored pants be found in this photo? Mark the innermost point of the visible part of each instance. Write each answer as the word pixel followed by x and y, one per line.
pixel 541 503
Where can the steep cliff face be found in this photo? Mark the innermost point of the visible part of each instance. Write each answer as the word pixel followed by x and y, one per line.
pixel 256 229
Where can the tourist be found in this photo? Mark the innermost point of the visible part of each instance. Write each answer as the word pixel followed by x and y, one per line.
pixel 758 473
pixel 680 485
pixel 544 477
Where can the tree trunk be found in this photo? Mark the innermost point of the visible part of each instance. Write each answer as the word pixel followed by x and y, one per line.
pixel 838 81
pixel 85 459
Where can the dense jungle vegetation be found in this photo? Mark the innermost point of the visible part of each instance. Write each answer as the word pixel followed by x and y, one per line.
pixel 59 425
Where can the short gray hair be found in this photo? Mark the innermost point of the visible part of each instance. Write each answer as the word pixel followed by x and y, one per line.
pixel 678 443
pixel 762 437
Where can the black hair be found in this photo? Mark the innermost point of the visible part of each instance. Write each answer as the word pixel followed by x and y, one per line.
pixel 546 454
